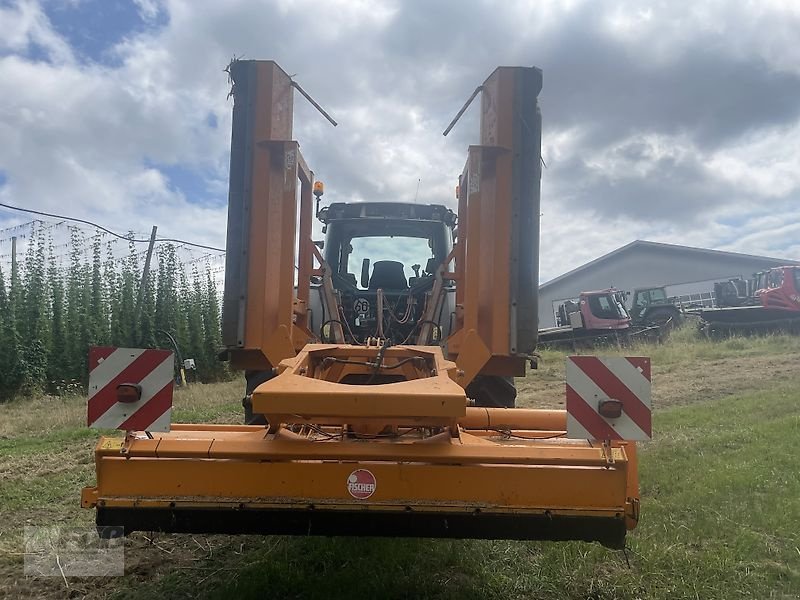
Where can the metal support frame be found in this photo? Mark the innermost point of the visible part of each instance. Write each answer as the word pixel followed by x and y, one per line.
pixel 498 200
pixel 264 320
pixel 441 468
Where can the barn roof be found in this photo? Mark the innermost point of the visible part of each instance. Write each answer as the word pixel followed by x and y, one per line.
pixel 637 244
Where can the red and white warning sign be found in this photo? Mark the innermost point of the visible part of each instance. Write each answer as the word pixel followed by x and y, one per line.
pixel 361 484
pixel 608 398
pixel 130 389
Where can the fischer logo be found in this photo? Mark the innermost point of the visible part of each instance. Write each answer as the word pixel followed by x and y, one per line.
pixel 361 484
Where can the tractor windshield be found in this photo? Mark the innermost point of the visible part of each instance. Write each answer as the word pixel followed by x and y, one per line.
pixel 409 251
pixel 645 298
pixel 775 278
pixel 607 306
pixel 385 253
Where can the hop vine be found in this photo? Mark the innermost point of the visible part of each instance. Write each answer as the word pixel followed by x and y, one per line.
pixel 53 313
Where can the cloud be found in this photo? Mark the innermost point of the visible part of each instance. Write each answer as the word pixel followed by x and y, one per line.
pixel 149 10
pixel 661 121
pixel 27 31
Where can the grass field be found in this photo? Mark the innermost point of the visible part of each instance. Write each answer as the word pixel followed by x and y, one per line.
pixel 720 503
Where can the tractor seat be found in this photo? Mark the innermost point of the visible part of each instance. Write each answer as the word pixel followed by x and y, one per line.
pixel 388 274
pixel 431 265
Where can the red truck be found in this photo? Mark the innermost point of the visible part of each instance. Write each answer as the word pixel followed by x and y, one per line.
pixel 598 316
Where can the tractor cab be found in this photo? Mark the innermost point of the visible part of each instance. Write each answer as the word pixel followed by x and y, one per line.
pixel 602 309
pixel 643 298
pixel 651 306
pixel 383 259
pixel 780 288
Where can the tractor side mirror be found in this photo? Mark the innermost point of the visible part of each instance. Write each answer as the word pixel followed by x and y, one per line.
pixel 365 273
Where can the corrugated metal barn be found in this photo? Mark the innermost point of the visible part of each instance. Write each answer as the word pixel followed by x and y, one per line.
pixel 688 273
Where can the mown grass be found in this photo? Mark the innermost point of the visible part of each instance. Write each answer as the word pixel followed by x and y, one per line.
pixel 720 506
pixel 685 346
pixel 687 368
pixel 47 454
pixel 35 417
pixel 721 509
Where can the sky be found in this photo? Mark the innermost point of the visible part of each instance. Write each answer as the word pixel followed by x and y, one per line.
pixel 669 121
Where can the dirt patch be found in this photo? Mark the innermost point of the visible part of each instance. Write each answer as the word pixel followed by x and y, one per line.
pixel 677 384
pixel 710 380
pixel 148 557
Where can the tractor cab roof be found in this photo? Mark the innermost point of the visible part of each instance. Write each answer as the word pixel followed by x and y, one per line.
pixel 387 210
pixel 604 292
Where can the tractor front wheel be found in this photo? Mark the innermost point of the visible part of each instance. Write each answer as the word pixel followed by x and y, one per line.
pixel 253 379
pixel 492 391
